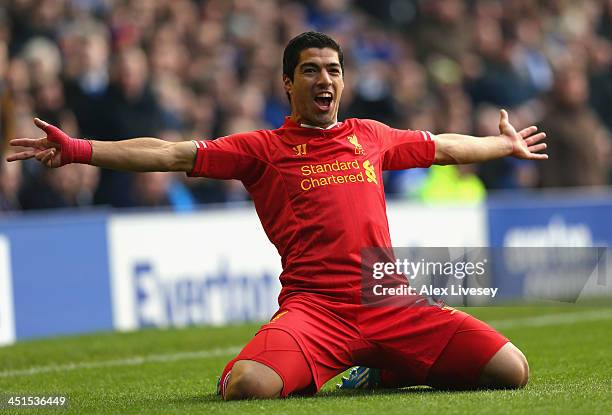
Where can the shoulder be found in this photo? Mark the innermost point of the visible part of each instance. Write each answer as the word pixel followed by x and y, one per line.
pixel 254 138
pixel 373 129
pixel 367 124
pixel 256 144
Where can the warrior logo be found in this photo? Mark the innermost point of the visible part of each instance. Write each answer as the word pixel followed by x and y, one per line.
pixel 300 150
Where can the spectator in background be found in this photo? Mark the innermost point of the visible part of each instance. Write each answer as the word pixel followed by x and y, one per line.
pixel 499 82
pixel 508 174
pixel 134 109
pixel 151 189
pixel 373 96
pixel 51 189
pixel 604 25
pixel 40 91
pixel 161 190
pixel 246 111
pixel 133 112
pixel 601 80
pixel 580 155
pixel 10 182
pixel 444 28
pixel 29 19
pixel 277 104
pixel 6 105
pixel 331 15
pixel 86 51
pixel 50 104
pixel 43 58
pixel 188 59
pixel 529 60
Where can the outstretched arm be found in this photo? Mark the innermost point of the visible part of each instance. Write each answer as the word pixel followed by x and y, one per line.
pixel 465 149
pixel 137 154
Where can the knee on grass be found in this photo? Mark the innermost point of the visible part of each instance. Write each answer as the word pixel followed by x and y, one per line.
pixel 508 369
pixel 252 380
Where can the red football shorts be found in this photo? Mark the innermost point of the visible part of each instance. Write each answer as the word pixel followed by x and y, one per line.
pixel 310 340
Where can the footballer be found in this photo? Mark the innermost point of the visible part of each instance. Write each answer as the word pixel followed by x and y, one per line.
pixel 316 183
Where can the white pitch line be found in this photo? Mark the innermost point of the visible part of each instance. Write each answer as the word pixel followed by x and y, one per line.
pixel 537 321
pixel 552 319
pixel 130 361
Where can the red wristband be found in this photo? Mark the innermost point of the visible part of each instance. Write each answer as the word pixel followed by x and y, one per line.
pixel 76 150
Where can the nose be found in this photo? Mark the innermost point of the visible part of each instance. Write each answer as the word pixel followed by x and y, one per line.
pixel 324 78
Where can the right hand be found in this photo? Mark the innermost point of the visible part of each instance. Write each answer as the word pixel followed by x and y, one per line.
pixel 55 150
pixel 525 143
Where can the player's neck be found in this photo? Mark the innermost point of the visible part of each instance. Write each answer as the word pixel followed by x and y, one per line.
pixel 304 123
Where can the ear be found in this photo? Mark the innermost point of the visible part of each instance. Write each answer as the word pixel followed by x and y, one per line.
pixel 287 84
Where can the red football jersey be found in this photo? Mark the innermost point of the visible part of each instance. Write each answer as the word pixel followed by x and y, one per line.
pixel 318 193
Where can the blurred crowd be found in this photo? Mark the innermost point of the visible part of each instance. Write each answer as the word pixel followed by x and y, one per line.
pixel 186 69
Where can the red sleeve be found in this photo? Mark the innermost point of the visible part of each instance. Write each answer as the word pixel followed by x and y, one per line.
pixel 404 149
pixel 232 157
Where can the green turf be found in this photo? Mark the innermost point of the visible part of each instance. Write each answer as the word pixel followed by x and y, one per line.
pixel 571 372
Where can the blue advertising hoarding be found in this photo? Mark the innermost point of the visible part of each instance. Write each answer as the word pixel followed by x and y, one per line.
pixel 59 268
pixel 566 224
pixel 580 219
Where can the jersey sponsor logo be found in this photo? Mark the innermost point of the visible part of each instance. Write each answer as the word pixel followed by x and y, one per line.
pixel 350 172
pixel 370 173
pixel 300 150
pixel 358 147
pixel 337 165
pixel 312 182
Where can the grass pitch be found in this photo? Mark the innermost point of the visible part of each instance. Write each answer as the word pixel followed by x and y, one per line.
pixel 569 349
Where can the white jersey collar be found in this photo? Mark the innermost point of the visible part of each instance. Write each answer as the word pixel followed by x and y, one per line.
pixel 319 128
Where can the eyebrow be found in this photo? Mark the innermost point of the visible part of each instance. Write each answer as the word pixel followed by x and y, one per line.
pixel 316 65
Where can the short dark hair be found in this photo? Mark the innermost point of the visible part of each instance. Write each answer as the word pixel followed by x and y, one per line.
pixel 306 40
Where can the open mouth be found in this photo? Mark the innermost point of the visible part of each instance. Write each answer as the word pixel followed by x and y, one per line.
pixel 323 101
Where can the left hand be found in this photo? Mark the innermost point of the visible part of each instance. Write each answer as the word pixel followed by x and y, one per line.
pixel 525 142
pixel 54 150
